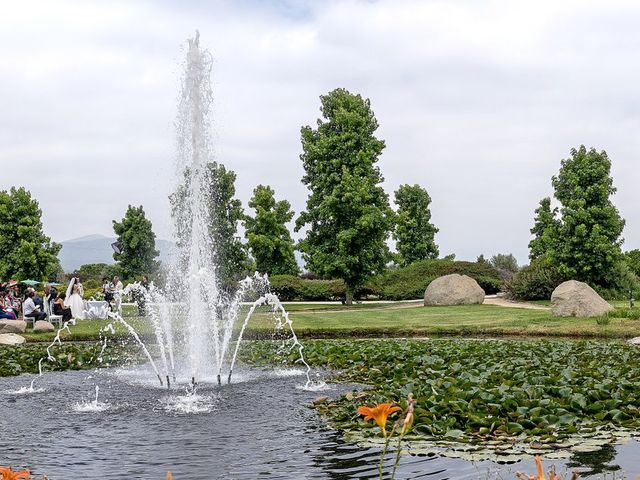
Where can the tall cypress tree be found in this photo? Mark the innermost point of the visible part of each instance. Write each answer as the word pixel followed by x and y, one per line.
pixel 347 213
pixel 545 225
pixel 414 232
pixel 267 234
pixel 138 243
pixel 588 240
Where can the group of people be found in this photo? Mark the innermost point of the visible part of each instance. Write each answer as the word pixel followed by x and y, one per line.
pixel 68 305
pixel 31 305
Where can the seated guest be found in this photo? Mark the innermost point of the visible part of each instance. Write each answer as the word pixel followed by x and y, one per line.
pixel 60 309
pixel 50 293
pixel 13 299
pixel 5 312
pixel 30 310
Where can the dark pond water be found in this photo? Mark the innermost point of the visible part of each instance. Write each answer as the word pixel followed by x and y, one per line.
pixel 258 427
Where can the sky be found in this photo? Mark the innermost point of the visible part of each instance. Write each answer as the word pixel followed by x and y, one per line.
pixel 477 101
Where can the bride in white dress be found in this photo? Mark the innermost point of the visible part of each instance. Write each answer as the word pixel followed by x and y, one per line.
pixel 74 298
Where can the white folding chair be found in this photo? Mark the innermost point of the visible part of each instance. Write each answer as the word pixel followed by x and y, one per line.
pixel 48 309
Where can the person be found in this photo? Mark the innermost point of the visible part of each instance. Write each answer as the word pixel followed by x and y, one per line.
pixel 60 309
pixel 107 290
pixel 6 311
pixel 141 296
pixel 74 300
pixel 50 293
pixel 30 310
pixel 13 299
pixel 117 293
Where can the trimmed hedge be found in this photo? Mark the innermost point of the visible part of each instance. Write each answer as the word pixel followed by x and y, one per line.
pixel 406 283
pixel 291 288
pixel 410 282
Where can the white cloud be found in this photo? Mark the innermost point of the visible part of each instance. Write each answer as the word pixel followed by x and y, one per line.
pixel 477 101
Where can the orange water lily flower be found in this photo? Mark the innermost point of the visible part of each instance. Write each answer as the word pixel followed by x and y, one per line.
pixel 8 474
pixel 379 414
pixel 541 476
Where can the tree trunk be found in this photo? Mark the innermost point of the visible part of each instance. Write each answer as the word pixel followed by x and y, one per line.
pixel 349 296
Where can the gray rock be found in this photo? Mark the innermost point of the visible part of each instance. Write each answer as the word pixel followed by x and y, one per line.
pixel 577 299
pixel 12 326
pixel 11 339
pixel 453 289
pixel 634 341
pixel 43 326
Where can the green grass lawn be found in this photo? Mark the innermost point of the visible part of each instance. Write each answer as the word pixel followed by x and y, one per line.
pixel 398 319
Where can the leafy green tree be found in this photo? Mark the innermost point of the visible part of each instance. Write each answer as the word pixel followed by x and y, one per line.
pixel 414 232
pixel 26 252
pixel 225 213
pixel 267 234
pixel 505 264
pixel 588 239
pixel 545 229
pixel 97 271
pixel 632 258
pixel 137 244
pixel 347 213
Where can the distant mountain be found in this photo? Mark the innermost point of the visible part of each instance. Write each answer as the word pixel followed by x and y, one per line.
pixel 97 249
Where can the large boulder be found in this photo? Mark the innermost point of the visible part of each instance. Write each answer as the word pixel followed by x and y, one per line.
pixel 12 326
pixel 43 326
pixel 577 299
pixel 11 339
pixel 453 289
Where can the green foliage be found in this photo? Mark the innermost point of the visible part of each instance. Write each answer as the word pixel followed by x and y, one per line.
pixel 135 233
pixel 97 271
pixel 26 252
pixel 224 215
pixel 347 210
pixel 536 281
pixel 293 288
pixel 587 244
pixel 18 359
pixel 505 265
pixel 545 229
pixel 553 394
pixel 267 234
pixel 410 282
pixel 414 233
pixel 632 259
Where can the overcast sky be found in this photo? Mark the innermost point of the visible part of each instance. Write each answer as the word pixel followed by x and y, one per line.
pixel 477 101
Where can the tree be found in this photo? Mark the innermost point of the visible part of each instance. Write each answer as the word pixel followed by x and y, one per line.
pixel 414 233
pixel 347 211
pixel 137 244
pixel 632 258
pixel 26 251
pixel 268 236
pixel 587 243
pixel 224 214
pixel 545 225
pixel 506 265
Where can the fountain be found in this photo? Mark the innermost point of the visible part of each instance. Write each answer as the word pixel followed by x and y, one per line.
pixel 193 300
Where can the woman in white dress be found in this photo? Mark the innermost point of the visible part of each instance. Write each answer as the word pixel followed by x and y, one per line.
pixel 74 299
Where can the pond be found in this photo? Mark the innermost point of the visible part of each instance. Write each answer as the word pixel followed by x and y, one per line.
pixel 259 426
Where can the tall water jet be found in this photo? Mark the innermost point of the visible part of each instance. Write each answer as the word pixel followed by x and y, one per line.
pixel 195 272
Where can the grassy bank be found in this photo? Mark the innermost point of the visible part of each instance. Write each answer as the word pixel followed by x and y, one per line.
pixel 394 319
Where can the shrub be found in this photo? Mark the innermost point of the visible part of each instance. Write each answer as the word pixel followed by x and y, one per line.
pixel 292 288
pixel 410 282
pixel 536 281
